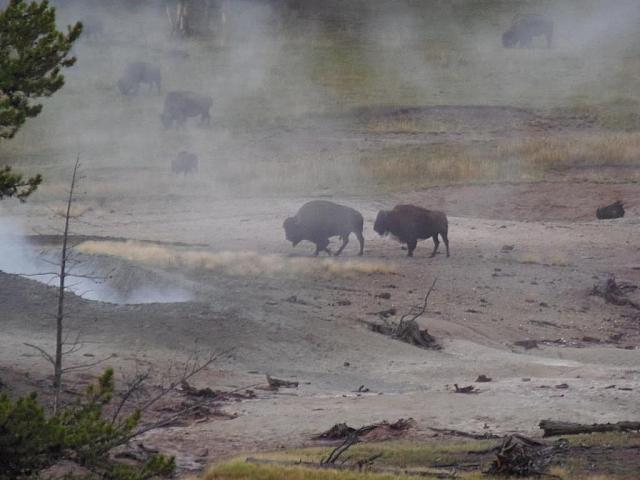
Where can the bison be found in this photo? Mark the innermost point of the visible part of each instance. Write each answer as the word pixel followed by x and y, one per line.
pixel 409 223
pixel 180 105
pixel 136 73
pixel 524 28
pixel 319 220
pixel 184 163
pixel 615 210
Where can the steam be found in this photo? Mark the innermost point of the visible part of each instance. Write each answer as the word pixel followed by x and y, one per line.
pixel 87 279
pixel 233 263
pixel 274 70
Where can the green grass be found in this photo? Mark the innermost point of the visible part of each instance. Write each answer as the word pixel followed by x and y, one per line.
pixel 422 456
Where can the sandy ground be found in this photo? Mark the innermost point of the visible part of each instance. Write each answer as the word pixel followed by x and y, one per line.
pixel 306 323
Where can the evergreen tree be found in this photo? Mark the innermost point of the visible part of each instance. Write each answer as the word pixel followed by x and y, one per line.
pixel 32 55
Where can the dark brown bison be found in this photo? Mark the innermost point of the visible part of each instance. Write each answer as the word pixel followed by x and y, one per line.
pixel 184 163
pixel 180 105
pixel 615 210
pixel 136 73
pixel 409 224
pixel 525 28
pixel 319 220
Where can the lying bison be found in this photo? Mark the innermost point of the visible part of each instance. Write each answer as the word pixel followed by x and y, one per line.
pixel 136 73
pixel 525 28
pixel 409 224
pixel 615 210
pixel 180 105
pixel 184 163
pixel 319 220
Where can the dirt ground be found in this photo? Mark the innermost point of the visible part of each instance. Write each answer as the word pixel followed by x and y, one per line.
pixel 524 258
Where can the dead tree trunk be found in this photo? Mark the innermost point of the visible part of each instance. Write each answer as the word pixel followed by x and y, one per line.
pixel 57 369
pixel 189 17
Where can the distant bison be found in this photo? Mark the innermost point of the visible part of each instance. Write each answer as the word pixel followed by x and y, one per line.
pixel 319 220
pixel 136 73
pixel 409 224
pixel 180 105
pixel 92 27
pixel 185 163
pixel 615 210
pixel 525 28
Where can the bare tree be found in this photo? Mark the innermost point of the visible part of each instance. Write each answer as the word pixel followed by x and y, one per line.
pixel 193 17
pixel 63 347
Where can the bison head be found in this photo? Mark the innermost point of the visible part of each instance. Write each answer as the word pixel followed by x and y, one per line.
pixel 380 225
pixel 509 39
pixel 292 230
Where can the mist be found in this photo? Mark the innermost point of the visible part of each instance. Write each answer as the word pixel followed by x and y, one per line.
pixel 87 278
pixel 310 99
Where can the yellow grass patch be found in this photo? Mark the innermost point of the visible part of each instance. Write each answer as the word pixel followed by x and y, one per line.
pixel 233 263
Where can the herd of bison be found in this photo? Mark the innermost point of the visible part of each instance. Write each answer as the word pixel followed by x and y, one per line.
pixel 318 221
pixel 180 105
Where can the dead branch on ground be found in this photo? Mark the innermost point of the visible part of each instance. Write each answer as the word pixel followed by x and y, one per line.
pixel 276 383
pixel 524 457
pixel 407 329
pixel 615 293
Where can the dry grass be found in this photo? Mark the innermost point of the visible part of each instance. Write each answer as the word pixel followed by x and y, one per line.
pixel 233 263
pixel 562 152
pixel 518 160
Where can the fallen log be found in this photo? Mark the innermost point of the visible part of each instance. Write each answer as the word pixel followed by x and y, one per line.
pixel 276 383
pixel 553 428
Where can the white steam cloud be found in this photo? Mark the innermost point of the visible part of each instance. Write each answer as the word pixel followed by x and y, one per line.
pixel 87 279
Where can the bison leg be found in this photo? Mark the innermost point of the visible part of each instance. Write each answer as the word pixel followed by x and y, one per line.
pixel 345 241
pixel 322 246
pixel 436 244
pixel 445 239
pixel 361 240
pixel 411 246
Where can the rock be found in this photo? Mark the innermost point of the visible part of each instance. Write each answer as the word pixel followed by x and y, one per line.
pixel 202 452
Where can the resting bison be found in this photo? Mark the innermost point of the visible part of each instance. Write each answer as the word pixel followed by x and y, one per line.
pixel 524 28
pixel 318 220
pixel 180 105
pixel 615 210
pixel 185 163
pixel 136 73
pixel 409 224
